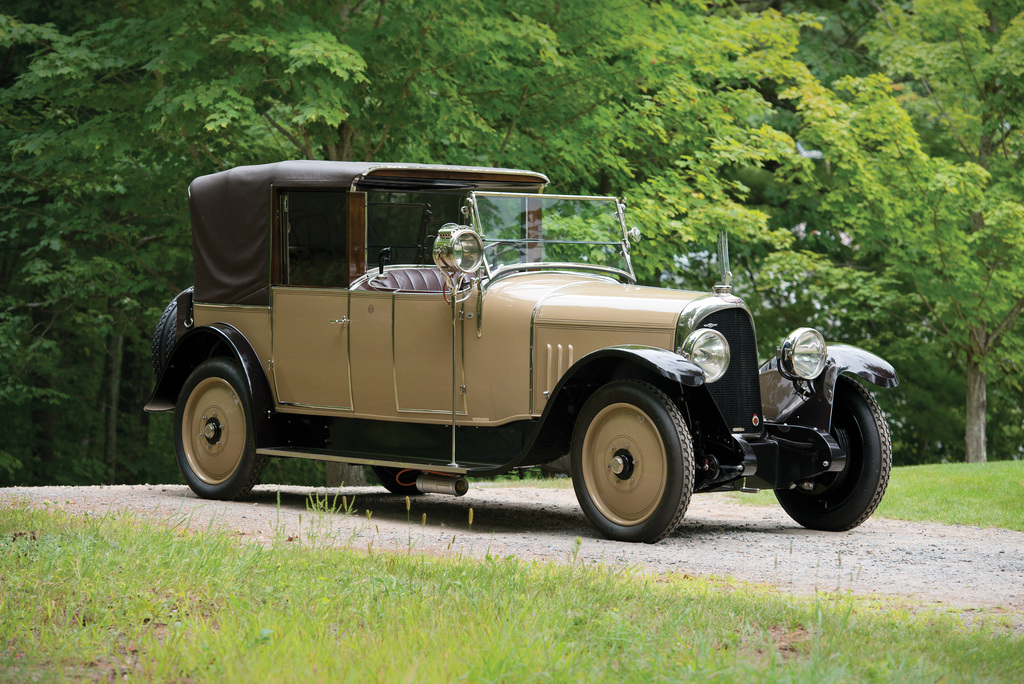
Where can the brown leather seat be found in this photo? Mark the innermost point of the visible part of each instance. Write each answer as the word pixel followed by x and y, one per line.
pixel 403 280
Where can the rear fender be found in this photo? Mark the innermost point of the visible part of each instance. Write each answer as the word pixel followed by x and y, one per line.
pixel 809 403
pixel 199 344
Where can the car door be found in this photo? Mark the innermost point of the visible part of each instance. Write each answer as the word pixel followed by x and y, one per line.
pixel 424 337
pixel 310 310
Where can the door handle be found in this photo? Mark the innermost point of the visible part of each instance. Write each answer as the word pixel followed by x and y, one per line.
pixel 340 321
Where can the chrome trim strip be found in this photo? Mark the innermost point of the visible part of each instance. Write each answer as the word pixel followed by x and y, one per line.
pixel 206 305
pixel 360 460
pixel 487 193
pixel 443 412
pixel 559 265
pixel 333 409
pixel 394 358
pixel 348 349
pixel 271 368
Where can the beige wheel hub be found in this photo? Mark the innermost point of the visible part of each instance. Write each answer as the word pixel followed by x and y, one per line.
pixel 624 464
pixel 213 431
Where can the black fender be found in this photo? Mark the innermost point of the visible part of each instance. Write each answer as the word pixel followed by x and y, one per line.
pixel 660 362
pixel 199 344
pixel 809 403
pixel 551 436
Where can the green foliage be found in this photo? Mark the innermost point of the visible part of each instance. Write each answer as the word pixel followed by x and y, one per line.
pixel 913 183
pixel 691 111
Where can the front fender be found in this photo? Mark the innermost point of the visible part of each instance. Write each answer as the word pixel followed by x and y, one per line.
pixel 810 403
pixel 554 428
pixel 661 362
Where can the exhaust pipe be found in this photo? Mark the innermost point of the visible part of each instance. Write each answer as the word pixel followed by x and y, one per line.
pixel 442 484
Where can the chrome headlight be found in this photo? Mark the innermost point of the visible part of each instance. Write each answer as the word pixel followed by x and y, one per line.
pixel 803 354
pixel 708 349
pixel 458 248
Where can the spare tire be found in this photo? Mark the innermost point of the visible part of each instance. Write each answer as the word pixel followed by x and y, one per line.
pixel 166 333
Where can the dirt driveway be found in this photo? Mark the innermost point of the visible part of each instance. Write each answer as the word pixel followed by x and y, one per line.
pixel 952 565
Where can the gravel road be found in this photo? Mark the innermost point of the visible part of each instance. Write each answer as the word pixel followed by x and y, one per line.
pixel 954 565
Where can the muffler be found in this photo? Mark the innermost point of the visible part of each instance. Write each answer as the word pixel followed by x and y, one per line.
pixel 442 484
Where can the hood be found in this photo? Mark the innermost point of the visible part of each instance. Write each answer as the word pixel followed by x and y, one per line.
pixel 603 303
pixel 561 298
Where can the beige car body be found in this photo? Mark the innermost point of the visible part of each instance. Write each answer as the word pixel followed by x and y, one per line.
pixel 537 324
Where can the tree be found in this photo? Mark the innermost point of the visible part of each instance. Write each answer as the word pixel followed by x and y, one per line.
pixel 935 188
pixel 107 111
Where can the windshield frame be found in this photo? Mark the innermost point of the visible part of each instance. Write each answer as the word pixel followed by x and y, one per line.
pixel 493 271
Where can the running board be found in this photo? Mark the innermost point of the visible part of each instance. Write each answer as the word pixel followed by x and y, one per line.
pixel 368 460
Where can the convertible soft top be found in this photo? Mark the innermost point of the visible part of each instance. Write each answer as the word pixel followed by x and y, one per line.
pixel 232 219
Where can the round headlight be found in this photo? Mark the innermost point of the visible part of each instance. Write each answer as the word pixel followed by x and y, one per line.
pixel 468 251
pixel 803 354
pixel 708 349
pixel 458 248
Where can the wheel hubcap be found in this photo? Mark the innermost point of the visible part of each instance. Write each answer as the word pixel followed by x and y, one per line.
pixel 624 464
pixel 213 431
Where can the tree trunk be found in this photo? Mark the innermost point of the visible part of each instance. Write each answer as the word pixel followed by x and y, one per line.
pixel 976 406
pixel 115 344
pixel 43 453
pixel 339 474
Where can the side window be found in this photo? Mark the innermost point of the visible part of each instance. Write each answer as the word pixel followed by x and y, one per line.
pixel 316 236
pixel 407 223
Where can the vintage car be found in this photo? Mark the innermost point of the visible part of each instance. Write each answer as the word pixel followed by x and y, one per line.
pixel 439 322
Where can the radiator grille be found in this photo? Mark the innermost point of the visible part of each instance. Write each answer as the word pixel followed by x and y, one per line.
pixel 738 392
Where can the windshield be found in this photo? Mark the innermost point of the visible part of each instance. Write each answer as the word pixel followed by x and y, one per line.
pixel 534 231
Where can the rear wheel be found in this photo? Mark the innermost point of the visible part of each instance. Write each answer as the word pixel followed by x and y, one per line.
pixel 397 480
pixel 632 462
pixel 214 440
pixel 841 501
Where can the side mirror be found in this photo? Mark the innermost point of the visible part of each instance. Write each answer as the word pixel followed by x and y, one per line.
pixel 383 257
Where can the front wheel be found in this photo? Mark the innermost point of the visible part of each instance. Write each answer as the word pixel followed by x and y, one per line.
pixel 841 501
pixel 214 440
pixel 632 462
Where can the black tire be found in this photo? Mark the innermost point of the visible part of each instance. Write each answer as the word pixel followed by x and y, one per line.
pixel 165 335
pixel 214 440
pixel 632 427
pixel 841 501
pixel 397 480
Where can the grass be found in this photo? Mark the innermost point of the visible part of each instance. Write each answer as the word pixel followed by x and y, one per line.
pixel 104 598
pixel 981 494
